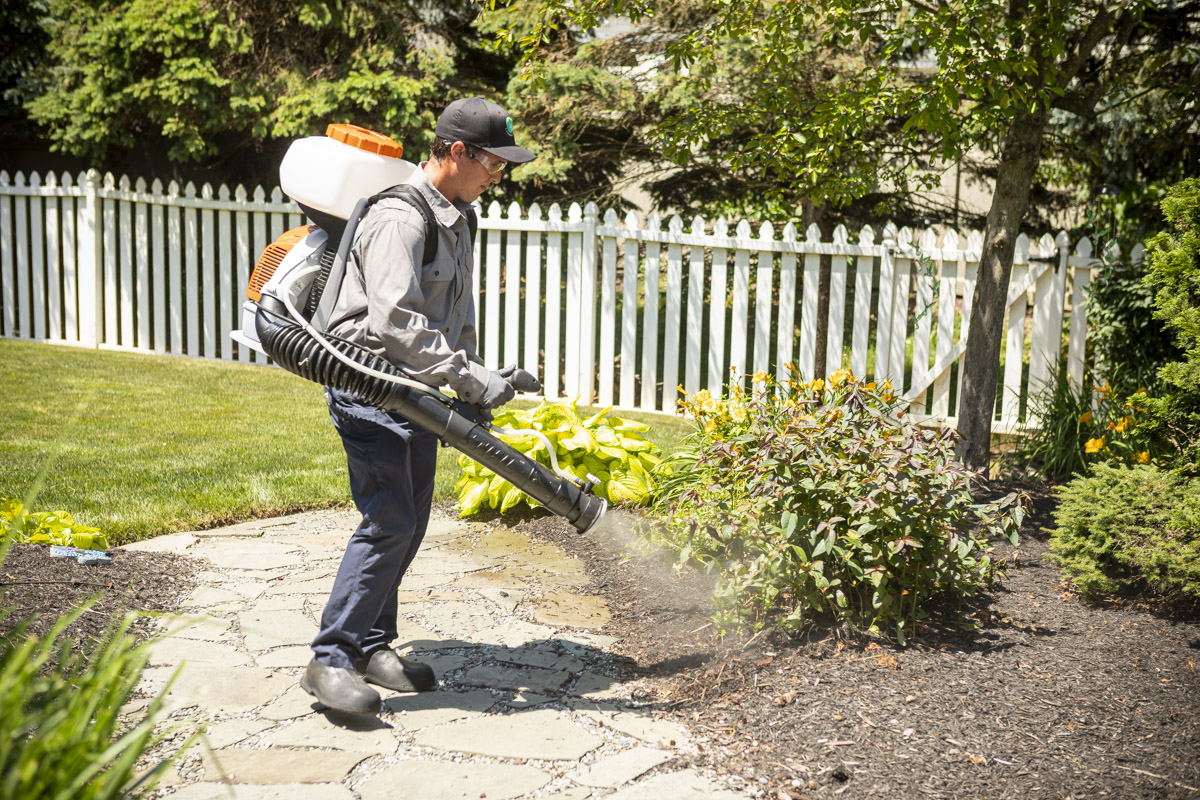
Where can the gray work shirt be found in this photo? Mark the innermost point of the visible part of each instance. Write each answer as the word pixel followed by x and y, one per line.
pixel 420 318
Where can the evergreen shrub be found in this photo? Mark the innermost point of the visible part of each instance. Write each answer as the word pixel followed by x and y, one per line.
pixel 1130 531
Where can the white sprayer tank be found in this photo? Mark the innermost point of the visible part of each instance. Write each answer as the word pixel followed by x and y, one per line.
pixel 331 173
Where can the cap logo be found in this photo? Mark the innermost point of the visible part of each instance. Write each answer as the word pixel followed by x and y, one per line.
pixel 508 125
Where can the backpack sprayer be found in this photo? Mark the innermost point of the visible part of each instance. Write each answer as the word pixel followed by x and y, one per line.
pixel 334 178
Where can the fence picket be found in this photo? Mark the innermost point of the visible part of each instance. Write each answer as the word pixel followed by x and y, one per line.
pixel 551 385
pixel 787 304
pixel 208 274
pixel 837 303
pixel 629 315
pixel 763 296
pixel 125 269
pixel 718 309
pixel 695 310
pixel 1015 336
pixel 900 294
pixel 70 292
pixel 672 313
pixel 740 323
pixel 864 274
pixel 608 309
pixel 112 318
pixel 141 255
pixel 37 260
pixel 946 291
pixel 53 262
pixel 923 279
pixel 8 283
pixel 808 307
pixel 533 293
pixel 650 325
pixel 512 290
pixel 175 270
pixel 227 309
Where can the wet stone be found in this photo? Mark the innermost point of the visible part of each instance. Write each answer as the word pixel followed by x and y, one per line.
pixel 572 610
pixel 516 679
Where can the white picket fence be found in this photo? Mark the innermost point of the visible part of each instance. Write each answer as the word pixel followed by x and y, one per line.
pixel 612 311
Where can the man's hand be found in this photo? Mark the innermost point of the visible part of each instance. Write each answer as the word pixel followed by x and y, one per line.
pixel 520 379
pixel 497 392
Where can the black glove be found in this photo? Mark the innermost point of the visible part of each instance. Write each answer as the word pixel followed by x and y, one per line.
pixel 520 379
pixel 497 392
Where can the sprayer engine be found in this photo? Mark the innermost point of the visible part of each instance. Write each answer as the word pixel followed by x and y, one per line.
pixel 291 295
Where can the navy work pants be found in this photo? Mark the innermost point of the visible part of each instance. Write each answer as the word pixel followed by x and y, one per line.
pixel 391 463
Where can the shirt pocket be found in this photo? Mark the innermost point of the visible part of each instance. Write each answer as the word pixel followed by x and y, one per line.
pixel 440 270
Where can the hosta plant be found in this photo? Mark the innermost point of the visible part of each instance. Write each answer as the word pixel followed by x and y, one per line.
pixel 821 498
pixel 604 446
pixel 47 527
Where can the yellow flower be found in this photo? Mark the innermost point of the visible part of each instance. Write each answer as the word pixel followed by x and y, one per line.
pixel 1094 445
pixel 1122 425
pixel 759 377
pixel 710 427
pixel 818 385
pixel 839 377
pixel 737 413
pixel 1142 457
pixel 1086 418
pixel 870 387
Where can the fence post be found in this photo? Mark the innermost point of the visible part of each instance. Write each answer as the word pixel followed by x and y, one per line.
pixel 91 317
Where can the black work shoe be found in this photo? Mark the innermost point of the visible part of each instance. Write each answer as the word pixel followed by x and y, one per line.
pixel 385 668
pixel 340 689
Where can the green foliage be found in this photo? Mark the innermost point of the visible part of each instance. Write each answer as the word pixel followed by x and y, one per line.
pixel 209 81
pixel 607 447
pixel 46 527
pixel 61 736
pixel 815 498
pixel 1130 530
pixel 1124 337
pixel 1174 256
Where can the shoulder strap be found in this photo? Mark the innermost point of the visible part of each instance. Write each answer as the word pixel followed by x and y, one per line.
pixel 411 195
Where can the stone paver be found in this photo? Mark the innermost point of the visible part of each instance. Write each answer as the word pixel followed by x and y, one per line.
pixel 525 708
pixel 442 781
pixel 541 734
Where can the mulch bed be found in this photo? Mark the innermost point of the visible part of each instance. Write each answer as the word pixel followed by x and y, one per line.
pixel 40 589
pixel 1049 697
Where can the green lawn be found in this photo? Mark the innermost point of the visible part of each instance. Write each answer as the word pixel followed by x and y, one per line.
pixel 140 445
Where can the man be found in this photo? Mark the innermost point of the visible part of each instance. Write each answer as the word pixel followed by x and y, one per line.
pixel 421 317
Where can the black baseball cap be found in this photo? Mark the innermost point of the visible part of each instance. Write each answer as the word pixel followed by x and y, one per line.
pixel 484 124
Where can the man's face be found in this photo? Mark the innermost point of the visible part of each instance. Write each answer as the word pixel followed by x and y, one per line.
pixel 479 173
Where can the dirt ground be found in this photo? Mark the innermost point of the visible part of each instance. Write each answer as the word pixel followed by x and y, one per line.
pixel 1048 698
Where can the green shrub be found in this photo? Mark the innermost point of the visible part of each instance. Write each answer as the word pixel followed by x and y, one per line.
pixel 1130 530
pixel 46 527
pixel 61 737
pixel 1174 256
pixel 607 447
pixel 812 499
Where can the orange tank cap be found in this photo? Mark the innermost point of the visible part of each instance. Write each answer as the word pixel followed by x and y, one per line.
pixel 363 139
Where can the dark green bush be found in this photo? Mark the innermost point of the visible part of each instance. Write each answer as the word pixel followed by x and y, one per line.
pixel 1130 530
pixel 815 499
pixel 1174 256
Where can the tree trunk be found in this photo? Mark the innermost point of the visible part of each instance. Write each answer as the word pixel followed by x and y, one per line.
pixel 1019 158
